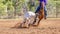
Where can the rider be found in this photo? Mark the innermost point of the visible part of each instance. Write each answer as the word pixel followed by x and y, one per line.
pixel 42 3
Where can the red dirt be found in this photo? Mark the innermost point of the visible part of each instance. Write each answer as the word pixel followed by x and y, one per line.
pixel 49 26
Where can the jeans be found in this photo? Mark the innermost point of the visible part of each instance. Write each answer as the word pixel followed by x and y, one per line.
pixel 45 10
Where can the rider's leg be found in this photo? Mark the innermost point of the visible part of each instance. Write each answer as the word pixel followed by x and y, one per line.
pixel 38 8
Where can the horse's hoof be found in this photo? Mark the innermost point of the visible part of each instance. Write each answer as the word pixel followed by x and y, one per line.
pixel 12 27
pixel 35 25
pixel 24 27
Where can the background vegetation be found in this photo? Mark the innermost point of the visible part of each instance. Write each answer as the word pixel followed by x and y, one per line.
pixel 13 8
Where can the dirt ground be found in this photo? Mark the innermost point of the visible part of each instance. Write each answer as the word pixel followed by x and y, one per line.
pixel 48 26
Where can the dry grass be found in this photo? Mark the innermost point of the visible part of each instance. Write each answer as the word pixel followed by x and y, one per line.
pixel 49 26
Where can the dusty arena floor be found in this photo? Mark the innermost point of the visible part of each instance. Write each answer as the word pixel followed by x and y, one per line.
pixel 48 26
